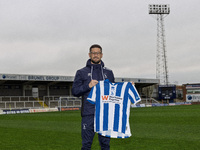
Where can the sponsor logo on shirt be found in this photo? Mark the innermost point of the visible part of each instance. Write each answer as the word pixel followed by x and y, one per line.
pixel 111 99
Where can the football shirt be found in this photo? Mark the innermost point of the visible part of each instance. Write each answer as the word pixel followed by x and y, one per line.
pixel 112 107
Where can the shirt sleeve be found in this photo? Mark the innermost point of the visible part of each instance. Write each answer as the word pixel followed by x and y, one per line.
pixel 133 94
pixel 92 95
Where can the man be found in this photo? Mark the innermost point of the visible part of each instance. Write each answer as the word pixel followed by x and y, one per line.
pixel 85 79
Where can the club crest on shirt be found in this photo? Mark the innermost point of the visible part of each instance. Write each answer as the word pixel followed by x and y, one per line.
pixel 112 92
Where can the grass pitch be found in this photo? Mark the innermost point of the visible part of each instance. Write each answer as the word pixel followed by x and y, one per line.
pixel 153 128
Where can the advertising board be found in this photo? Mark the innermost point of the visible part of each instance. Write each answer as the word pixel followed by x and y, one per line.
pixel 192 97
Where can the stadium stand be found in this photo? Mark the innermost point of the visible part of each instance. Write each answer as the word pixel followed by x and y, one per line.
pixel 16 90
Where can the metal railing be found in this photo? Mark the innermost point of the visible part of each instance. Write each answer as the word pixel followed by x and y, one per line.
pixel 27 104
pixel 18 102
pixel 148 101
pixel 65 102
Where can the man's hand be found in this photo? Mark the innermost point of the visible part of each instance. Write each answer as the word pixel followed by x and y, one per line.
pixel 132 83
pixel 93 83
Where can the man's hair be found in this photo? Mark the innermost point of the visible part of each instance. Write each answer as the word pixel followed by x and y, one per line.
pixel 95 46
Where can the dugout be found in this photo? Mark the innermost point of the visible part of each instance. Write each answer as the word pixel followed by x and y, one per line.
pixel 51 85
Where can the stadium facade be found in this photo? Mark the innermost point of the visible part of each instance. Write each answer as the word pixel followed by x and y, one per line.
pixel 51 85
pixel 33 93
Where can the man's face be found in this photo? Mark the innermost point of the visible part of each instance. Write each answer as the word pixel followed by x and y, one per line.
pixel 95 55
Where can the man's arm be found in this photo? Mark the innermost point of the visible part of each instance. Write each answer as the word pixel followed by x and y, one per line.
pixel 79 87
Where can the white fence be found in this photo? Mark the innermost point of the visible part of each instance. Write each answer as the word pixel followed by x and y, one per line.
pixel 16 98
pixel 29 104
pixel 13 102
pixel 65 102
pixel 19 102
pixel 148 101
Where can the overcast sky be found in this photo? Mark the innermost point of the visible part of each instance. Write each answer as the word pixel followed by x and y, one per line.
pixel 52 37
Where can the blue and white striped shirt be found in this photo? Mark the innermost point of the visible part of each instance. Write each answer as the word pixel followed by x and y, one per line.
pixel 112 102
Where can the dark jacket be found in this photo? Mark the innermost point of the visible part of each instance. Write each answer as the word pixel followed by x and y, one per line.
pixel 81 83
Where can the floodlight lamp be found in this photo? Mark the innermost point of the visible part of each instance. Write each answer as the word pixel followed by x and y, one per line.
pixel 159 9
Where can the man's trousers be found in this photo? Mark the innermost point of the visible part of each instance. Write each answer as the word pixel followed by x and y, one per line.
pixel 87 133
